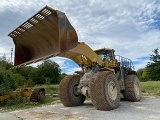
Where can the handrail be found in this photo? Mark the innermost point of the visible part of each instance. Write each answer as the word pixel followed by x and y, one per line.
pixel 124 62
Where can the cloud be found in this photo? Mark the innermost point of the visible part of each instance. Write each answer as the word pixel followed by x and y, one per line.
pixel 67 66
pixel 131 28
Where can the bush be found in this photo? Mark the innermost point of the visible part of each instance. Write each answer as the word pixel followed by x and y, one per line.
pixel 7 81
pixel 142 74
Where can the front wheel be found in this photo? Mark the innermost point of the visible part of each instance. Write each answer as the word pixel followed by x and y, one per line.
pixel 132 90
pixel 105 91
pixel 68 91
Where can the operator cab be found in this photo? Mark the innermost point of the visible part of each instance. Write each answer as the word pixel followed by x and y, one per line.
pixel 106 54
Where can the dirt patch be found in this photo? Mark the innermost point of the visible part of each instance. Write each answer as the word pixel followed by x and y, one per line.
pixel 48 115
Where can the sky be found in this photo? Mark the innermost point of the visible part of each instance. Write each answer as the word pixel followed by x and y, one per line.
pixel 130 27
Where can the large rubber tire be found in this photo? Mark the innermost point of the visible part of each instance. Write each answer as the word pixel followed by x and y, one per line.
pixel 68 91
pixel 104 91
pixel 132 90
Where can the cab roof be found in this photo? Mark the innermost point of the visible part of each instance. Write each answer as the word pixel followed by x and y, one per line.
pixel 101 49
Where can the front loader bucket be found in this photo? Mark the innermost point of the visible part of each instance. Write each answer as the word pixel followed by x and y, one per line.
pixel 46 34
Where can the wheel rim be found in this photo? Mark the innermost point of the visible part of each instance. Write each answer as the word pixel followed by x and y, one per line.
pixel 136 88
pixel 75 90
pixel 112 90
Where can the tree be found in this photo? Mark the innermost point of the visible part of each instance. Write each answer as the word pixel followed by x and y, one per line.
pixel 25 71
pixel 48 71
pixel 19 79
pixel 35 76
pixel 155 57
pixel 153 67
pixel 142 74
pixel 7 81
pixel 10 79
pixel 4 63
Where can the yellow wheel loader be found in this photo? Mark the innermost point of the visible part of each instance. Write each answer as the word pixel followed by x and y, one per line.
pixel 104 76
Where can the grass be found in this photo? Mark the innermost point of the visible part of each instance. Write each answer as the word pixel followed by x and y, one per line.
pixel 151 88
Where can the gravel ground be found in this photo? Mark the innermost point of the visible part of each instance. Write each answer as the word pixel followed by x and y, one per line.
pixel 146 109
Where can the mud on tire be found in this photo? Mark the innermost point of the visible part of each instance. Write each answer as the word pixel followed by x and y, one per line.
pixel 132 90
pixel 67 91
pixel 105 91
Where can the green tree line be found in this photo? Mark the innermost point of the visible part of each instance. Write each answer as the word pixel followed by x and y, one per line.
pixel 152 70
pixel 48 72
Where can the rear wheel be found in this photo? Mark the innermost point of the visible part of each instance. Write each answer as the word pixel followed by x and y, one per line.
pixel 105 91
pixel 68 91
pixel 132 90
